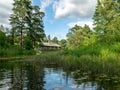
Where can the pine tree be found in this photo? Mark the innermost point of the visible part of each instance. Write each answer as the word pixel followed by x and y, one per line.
pixel 17 19
pixel 37 25
pixel 26 22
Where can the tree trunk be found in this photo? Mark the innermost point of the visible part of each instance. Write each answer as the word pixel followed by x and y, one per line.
pixel 21 37
pixel 13 35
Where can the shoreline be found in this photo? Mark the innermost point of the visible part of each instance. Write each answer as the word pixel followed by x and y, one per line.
pixel 14 58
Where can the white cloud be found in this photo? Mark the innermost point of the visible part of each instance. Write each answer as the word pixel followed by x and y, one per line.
pixel 45 3
pixel 59 35
pixel 81 23
pixel 5 11
pixel 74 8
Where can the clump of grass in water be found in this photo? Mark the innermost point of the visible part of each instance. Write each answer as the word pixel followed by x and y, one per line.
pixel 51 58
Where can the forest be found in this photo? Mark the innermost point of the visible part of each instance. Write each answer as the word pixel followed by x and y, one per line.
pixel 104 39
pixel 27 31
pixel 27 34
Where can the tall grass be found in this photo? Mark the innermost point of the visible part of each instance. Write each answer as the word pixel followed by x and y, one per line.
pixel 86 63
pixel 102 70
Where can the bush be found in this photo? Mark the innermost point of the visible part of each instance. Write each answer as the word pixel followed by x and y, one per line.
pixel 3 40
pixel 84 50
pixel 28 44
pixel 15 51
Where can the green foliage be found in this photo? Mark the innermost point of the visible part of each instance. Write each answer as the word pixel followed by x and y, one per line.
pixel 63 43
pixel 106 53
pixel 106 20
pixel 3 40
pixel 84 50
pixel 73 30
pixel 49 38
pixel 103 50
pixel 79 36
pixel 35 25
pixel 28 44
pixel 115 47
pixel 15 51
pixel 55 40
pixel 90 41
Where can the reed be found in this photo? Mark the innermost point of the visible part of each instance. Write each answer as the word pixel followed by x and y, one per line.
pixel 105 68
pixel 85 63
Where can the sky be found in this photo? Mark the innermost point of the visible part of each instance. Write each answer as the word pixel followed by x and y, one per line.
pixel 60 15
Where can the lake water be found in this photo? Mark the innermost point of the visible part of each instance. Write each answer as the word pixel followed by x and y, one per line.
pixel 29 75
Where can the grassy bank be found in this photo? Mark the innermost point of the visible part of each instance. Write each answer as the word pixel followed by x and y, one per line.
pixel 15 52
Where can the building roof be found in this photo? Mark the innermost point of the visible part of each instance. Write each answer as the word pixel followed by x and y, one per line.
pixel 50 44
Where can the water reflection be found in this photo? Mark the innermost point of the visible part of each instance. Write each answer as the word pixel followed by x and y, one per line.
pixel 21 76
pixel 24 75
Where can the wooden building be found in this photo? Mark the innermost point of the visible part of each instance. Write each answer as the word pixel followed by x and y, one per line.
pixel 50 46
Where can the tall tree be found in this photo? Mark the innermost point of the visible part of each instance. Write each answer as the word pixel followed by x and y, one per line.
pixel 106 13
pixel 73 30
pixel 55 40
pixel 26 22
pixel 3 39
pixel 13 22
pixel 17 19
pixel 49 38
pixel 63 43
pixel 37 29
pixel 77 35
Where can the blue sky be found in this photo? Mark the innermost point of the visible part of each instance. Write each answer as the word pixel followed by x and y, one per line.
pixel 57 22
pixel 52 26
pixel 60 15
